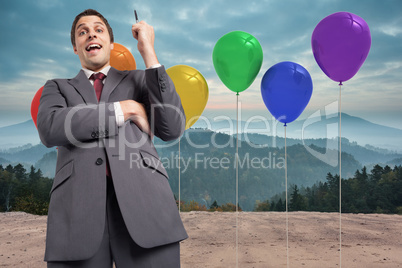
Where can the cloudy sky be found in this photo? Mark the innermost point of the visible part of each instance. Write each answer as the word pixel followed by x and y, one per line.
pixel 35 47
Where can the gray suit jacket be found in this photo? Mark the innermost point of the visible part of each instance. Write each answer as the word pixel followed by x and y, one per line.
pixel 87 137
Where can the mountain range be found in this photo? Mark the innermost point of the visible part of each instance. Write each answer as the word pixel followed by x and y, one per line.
pixel 207 163
pixel 18 135
pixel 353 128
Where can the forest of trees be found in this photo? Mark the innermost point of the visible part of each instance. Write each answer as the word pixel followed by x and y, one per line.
pixel 207 168
pixel 204 182
pixel 379 191
pixel 22 190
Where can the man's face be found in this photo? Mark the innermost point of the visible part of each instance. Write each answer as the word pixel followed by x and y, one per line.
pixel 92 43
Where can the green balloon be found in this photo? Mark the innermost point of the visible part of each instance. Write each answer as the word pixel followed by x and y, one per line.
pixel 237 59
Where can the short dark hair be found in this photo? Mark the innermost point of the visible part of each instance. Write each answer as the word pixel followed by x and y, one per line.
pixel 90 12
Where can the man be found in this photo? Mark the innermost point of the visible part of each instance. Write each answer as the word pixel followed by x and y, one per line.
pixel 111 200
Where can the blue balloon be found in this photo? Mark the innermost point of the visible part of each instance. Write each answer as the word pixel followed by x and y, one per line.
pixel 286 89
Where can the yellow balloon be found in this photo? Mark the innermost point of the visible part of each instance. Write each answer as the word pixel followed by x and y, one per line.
pixel 192 89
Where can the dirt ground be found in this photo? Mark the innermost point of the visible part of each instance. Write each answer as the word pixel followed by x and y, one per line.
pixel 368 240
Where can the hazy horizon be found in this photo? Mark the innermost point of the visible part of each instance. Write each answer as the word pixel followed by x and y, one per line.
pixel 250 119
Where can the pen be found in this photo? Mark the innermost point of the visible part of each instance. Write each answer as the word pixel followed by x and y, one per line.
pixel 136 17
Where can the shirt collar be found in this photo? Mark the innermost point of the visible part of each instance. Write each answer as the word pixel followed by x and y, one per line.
pixel 88 73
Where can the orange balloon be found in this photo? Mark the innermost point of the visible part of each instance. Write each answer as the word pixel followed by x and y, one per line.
pixel 35 105
pixel 121 58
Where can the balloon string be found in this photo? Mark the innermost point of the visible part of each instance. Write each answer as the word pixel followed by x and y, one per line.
pixel 286 186
pixel 237 179
pixel 179 173
pixel 340 175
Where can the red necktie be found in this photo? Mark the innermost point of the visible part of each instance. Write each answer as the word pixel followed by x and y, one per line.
pixel 98 84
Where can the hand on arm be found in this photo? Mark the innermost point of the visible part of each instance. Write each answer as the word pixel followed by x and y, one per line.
pixel 135 112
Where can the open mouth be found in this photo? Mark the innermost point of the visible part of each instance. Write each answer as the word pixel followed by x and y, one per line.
pixel 93 47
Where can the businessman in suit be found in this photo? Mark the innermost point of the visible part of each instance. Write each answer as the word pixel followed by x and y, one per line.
pixel 111 200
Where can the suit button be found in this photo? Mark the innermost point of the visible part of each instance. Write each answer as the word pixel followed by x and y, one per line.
pixel 163 86
pixel 99 161
pixel 162 77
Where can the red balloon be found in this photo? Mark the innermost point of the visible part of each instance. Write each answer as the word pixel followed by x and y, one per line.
pixel 35 105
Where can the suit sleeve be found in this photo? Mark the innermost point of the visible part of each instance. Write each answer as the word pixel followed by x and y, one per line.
pixel 59 124
pixel 166 114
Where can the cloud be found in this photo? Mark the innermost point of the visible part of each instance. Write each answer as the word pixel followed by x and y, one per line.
pixel 393 30
pixel 17 94
pixel 35 49
pixel 49 4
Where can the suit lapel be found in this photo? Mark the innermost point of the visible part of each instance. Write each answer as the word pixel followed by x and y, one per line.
pixel 114 77
pixel 87 91
pixel 84 88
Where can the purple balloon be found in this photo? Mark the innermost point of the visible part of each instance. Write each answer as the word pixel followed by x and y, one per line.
pixel 341 43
